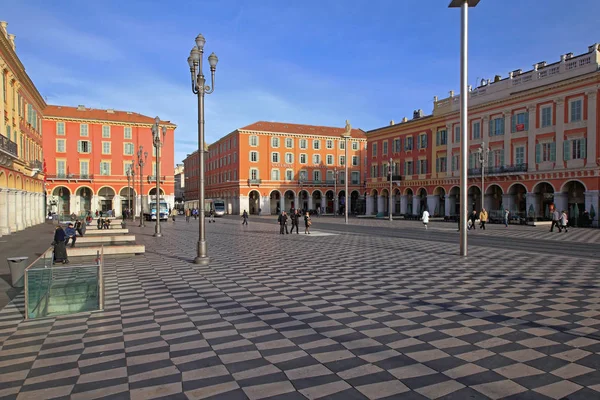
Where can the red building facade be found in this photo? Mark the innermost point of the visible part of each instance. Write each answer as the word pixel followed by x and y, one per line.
pixel 88 154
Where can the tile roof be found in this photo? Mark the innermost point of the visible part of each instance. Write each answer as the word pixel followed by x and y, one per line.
pixel 99 114
pixel 284 127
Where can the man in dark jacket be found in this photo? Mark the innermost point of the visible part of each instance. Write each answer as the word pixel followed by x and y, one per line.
pixel 294 217
pixel 282 219
pixel 71 234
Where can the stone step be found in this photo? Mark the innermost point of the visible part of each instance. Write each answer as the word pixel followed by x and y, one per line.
pixel 108 250
pixel 112 239
pixel 100 232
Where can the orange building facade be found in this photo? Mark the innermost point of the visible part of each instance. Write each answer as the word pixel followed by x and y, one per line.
pixel 541 128
pixel 273 166
pixel 88 153
pixel 21 171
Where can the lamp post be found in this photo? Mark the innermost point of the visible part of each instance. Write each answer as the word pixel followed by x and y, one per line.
pixel 200 88
pixel 158 143
pixel 346 136
pixel 483 159
pixel 128 172
pixel 390 193
pixel 464 96
pixel 132 169
pixel 142 158
pixel 335 193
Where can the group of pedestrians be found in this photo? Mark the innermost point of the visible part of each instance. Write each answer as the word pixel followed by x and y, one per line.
pixel 62 237
pixel 560 220
pixel 294 217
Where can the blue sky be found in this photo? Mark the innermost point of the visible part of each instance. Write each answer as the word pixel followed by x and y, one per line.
pixel 312 61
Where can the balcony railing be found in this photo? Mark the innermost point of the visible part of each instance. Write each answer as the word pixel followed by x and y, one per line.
pixel 70 176
pixel 506 169
pixel 254 181
pixel 152 178
pixel 36 164
pixel 8 146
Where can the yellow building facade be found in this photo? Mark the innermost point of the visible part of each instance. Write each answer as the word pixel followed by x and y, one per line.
pixel 21 167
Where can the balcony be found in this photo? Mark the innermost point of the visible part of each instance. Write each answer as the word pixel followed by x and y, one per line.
pixel 506 169
pixel 8 146
pixel 254 182
pixel 152 178
pixel 36 164
pixel 70 177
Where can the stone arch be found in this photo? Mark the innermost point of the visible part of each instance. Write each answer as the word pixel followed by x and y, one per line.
pixel 517 195
pixel 317 198
pixel 3 179
pixel 275 202
pixel 494 198
pixel 473 198
pixel 355 203
pixel 422 205
pixel 152 192
pixel 289 200
pixel 573 192
pixel 11 181
pixel 303 199
pixel 439 202
pixel 565 189
pixel 330 200
pixel 106 196
pixel 373 192
pixel 61 200
pixel 254 202
pixel 18 183
pixel 84 194
pixel 453 201
pixel 544 200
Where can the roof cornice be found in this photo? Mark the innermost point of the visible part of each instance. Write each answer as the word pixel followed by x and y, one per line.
pixel 19 70
pixel 107 122
pixel 301 135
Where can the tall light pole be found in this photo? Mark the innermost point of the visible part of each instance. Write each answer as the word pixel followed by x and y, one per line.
pixel 133 185
pixel 483 159
pixel 128 172
pixel 335 193
pixel 390 193
pixel 346 136
pixel 200 88
pixel 157 143
pixel 464 120
pixel 142 158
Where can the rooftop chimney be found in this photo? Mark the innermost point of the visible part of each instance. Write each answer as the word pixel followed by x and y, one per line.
pixel 435 99
pixel 392 123
pixel 497 78
pixel 593 47
pixel 568 55
pixel 517 72
pixel 81 107
pixel 417 114
pixel 11 39
pixel 3 25
pixel 110 111
pixel 451 93
pixel 404 119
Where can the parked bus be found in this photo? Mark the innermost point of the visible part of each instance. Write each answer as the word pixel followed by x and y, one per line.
pixel 150 215
pixel 217 205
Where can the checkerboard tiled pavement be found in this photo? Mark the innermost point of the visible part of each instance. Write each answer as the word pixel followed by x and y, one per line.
pixel 320 316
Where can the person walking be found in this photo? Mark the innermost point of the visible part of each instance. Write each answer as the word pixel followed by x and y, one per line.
pixel 187 215
pixel 173 214
pixel 564 221
pixel 556 221
pixel 506 215
pixel 483 217
pixel 59 255
pixel 212 216
pixel 294 217
pixel 425 218
pixel 71 235
pixel 307 223
pixel 245 217
pixel 282 219
pixel 473 219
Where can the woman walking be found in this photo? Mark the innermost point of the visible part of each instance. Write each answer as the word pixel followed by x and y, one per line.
pixel 307 223
pixel 60 247
pixel 483 217
pixel 564 220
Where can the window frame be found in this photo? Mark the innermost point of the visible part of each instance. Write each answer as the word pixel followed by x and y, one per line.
pixel 58 130
pixel 476 131
pixel 289 143
pixel 106 132
pixel 251 153
pixel 303 145
pixel 572 102
pixel 316 144
pixel 290 156
pixel 275 156
pixel 275 142
pixel 64 145
pixel 128 144
pixel 542 119
pixel 127 133
pixel 355 146
pixel 303 156
pixel 253 141
pixel 329 144
pixel 105 143
pixel 81 130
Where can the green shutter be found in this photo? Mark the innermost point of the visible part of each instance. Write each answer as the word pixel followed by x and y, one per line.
pixel 501 158
pixel 567 150
pixel 437 138
pixel 513 122
pixel 437 165
pixel 583 148
pixel 538 154
pixel 502 126
pixel 527 121
pixel 491 132
pixel 79 146
pixel 553 151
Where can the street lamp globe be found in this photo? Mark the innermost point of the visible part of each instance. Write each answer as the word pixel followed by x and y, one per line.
pixel 156 120
pixel 213 60
pixel 195 55
pixel 191 62
pixel 200 41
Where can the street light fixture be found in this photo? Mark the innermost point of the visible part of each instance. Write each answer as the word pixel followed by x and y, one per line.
pixel 142 158
pixel 132 169
pixel 346 135
pixel 390 193
pixel 158 143
pixel 128 172
pixel 200 88
pixel 335 197
pixel 464 96
pixel 483 159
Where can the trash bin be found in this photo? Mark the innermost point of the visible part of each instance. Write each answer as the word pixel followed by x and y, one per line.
pixel 17 267
pixel 123 224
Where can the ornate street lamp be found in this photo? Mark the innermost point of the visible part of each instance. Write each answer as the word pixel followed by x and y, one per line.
pixel 142 158
pixel 200 88
pixel 158 143
pixel 483 159
pixel 346 135
pixel 132 169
